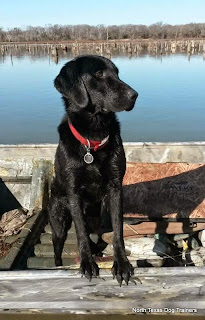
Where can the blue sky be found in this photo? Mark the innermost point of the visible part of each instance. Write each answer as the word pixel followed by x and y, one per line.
pixel 21 13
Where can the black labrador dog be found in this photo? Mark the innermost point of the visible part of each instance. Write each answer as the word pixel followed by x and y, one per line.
pixel 90 160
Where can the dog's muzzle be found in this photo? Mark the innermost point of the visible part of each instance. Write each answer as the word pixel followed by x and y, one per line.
pixel 132 97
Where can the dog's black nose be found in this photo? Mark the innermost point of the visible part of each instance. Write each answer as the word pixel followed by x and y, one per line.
pixel 132 95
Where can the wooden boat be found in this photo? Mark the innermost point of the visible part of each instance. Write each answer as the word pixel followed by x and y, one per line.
pixel 168 179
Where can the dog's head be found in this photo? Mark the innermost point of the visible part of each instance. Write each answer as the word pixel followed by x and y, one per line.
pixel 92 82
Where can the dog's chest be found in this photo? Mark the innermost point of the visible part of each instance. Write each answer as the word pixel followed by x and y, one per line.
pixel 91 184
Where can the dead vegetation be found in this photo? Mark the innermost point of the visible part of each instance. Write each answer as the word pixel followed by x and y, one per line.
pixel 101 32
pixel 4 248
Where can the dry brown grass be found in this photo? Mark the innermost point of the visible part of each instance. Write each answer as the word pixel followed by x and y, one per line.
pixel 4 249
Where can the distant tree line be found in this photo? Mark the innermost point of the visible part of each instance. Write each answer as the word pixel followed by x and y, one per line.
pixel 58 32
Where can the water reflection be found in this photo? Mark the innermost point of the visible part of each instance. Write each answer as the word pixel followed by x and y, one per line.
pixel 171 99
pixel 108 49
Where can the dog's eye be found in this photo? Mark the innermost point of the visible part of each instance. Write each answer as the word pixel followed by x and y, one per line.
pixel 99 74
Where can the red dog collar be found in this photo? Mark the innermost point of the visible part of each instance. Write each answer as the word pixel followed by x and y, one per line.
pixel 88 143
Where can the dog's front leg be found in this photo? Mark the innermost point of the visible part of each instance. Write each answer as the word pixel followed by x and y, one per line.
pixel 88 266
pixel 121 269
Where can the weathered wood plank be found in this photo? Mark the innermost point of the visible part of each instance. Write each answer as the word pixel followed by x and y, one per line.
pixel 46 250
pixel 151 152
pixel 65 291
pixel 46 238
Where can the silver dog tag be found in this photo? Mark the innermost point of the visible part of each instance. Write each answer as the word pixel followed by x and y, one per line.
pixel 88 157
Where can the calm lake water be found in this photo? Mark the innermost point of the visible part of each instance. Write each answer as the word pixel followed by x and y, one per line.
pixel 170 107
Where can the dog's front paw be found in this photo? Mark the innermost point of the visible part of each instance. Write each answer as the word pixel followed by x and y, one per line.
pixel 122 270
pixel 89 268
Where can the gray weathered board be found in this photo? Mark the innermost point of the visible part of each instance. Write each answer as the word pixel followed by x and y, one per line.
pixel 168 289
pixel 150 152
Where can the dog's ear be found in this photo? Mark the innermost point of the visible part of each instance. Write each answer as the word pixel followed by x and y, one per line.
pixel 71 86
